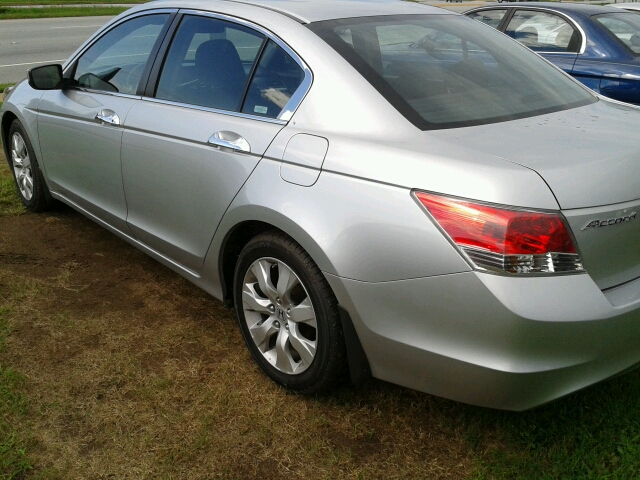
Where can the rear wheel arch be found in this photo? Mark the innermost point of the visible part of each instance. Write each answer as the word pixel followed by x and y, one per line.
pixel 243 232
pixel 232 245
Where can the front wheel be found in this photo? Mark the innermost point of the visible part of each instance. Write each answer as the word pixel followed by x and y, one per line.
pixel 288 314
pixel 26 172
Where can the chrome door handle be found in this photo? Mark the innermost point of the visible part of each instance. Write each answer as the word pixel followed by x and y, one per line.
pixel 230 140
pixel 108 116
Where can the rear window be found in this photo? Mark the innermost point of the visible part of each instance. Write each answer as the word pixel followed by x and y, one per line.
pixel 446 71
pixel 624 26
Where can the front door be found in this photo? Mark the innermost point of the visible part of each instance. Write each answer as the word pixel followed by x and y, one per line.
pixel 80 128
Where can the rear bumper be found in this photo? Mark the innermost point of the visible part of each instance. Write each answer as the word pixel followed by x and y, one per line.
pixel 500 342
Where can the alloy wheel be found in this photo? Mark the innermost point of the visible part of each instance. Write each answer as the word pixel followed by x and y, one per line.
pixel 279 315
pixel 22 166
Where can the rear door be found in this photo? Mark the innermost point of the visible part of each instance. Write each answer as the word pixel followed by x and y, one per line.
pixel 80 128
pixel 220 98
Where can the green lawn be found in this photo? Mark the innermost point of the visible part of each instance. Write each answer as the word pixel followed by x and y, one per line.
pixel 594 434
pixel 62 2
pixel 16 13
pixel 13 459
pixel 2 87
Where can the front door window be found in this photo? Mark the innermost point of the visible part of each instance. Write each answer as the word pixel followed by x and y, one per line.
pixel 116 62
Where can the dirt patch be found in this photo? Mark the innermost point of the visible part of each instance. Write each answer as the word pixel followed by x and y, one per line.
pixel 133 372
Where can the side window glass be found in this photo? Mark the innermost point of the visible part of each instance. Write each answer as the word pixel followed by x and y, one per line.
pixel 275 80
pixel 625 26
pixel 543 32
pixel 116 61
pixel 209 63
pixel 490 17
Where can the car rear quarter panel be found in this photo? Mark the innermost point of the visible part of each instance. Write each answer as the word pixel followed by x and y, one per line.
pixel 351 227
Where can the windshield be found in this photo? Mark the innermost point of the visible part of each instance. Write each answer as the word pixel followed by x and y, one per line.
pixel 445 71
pixel 624 26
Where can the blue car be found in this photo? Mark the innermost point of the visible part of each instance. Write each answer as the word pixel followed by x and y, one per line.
pixel 599 46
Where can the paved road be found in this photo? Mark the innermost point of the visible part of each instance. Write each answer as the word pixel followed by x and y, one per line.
pixel 27 43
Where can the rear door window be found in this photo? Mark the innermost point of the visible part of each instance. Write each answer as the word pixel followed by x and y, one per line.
pixel 275 80
pixel 209 63
pixel 220 64
pixel 543 32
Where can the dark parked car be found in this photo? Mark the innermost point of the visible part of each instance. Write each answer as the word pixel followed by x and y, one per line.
pixel 600 46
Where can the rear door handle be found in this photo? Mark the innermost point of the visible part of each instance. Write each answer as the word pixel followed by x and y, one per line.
pixel 108 116
pixel 230 140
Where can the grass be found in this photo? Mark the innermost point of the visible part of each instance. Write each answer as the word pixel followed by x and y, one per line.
pixel 594 434
pixel 113 366
pixel 2 87
pixel 64 2
pixel 50 12
pixel 13 407
pixel 9 200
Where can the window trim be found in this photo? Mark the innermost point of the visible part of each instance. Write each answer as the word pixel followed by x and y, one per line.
pixel 509 15
pixel 287 111
pixel 214 110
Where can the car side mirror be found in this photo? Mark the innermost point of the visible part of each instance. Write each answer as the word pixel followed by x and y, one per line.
pixel 46 77
pixel 635 40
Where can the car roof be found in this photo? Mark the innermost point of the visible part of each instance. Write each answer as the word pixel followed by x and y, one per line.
pixel 308 11
pixel 585 9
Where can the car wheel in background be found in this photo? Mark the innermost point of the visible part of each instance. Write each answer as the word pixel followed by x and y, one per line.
pixel 288 314
pixel 26 172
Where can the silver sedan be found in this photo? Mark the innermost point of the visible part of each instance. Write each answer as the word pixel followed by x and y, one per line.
pixel 382 189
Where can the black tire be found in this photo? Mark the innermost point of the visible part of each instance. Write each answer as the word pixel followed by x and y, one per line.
pixel 329 361
pixel 38 198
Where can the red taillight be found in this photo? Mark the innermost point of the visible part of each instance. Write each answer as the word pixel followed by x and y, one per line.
pixel 505 240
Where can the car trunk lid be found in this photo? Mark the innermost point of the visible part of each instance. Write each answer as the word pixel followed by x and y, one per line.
pixel 590 158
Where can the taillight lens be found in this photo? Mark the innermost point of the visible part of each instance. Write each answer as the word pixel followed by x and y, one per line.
pixel 503 240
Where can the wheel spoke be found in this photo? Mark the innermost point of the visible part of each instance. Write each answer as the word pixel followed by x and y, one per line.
pixel 16 143
pixel 261 333
pixel 252 300
pixel 28 187
pixel 305 347
pixel 21 148
pixel 303 313
pixel 286 281
pixel 284 361
pixel 262 270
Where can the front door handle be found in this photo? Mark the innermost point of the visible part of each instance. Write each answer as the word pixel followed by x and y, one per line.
pixel 231 141
pixel 108 116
